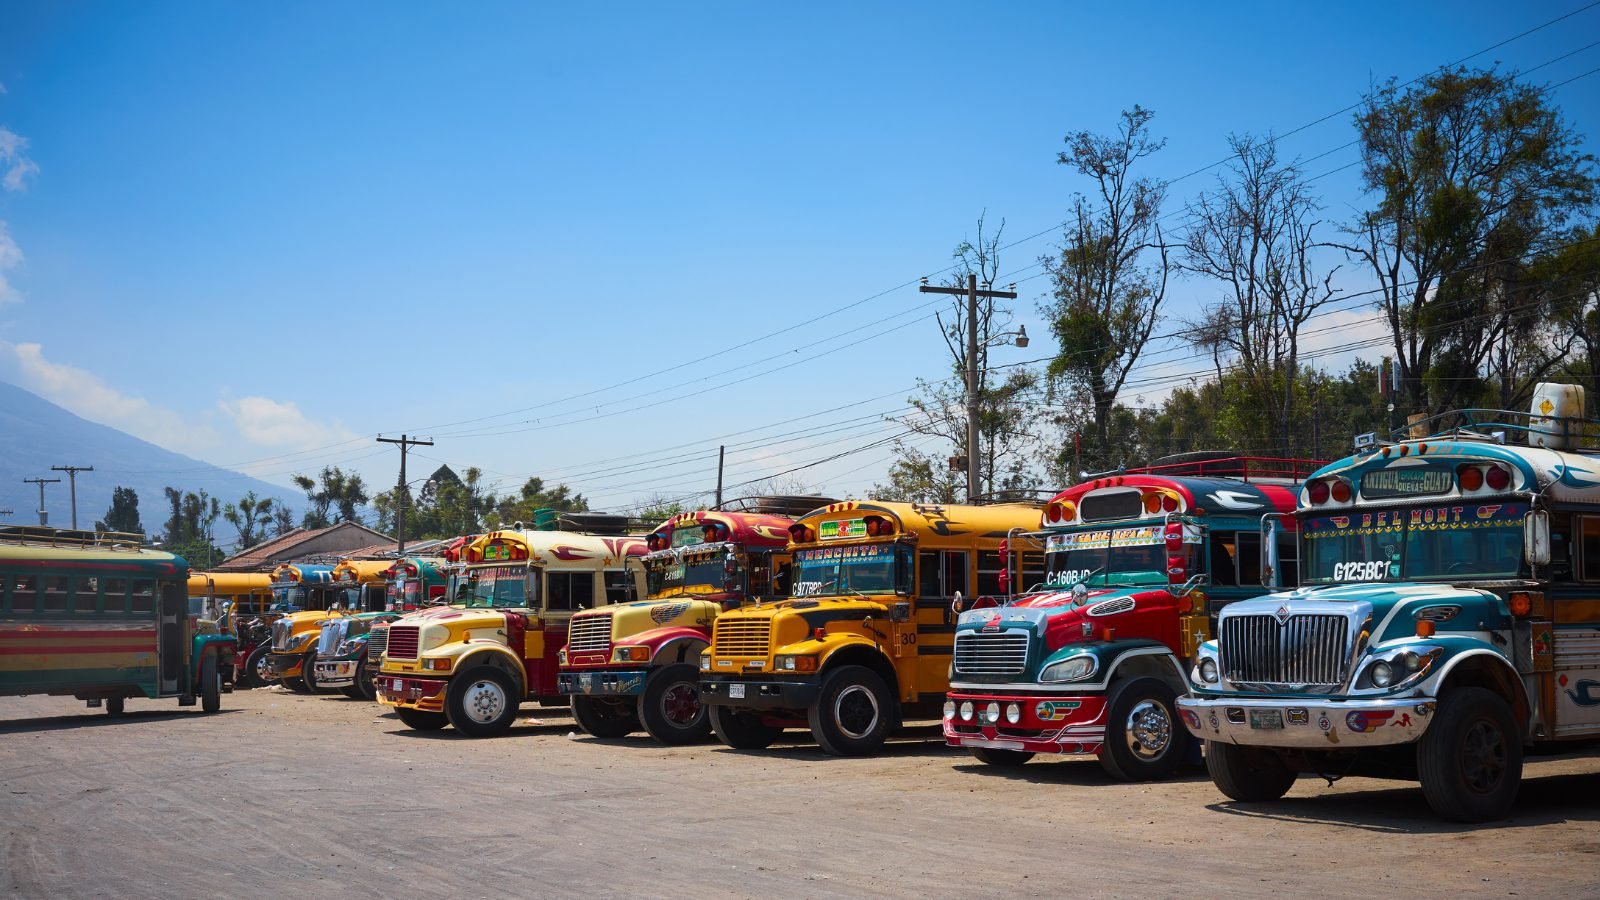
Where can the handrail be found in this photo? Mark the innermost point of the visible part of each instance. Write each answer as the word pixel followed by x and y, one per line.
pixel 44 536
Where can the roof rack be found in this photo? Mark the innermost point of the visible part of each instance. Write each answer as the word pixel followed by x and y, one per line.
pixel 1497 425
pixel 1222 464
pixel 1013 495
pixel 44 536
pixel 791 505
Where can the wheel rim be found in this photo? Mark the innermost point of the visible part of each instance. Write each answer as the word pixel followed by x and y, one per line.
pixel 680 704
pixel 1483 757
pixel 1148 730
pixel 263 668
pixel 856 711
pixel 485 702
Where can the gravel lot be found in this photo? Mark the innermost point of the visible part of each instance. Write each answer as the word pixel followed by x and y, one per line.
pixel 282 795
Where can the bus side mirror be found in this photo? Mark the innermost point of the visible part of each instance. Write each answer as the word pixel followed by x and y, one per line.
pixel 1271 569
pixel 957 604
pixel 1536 537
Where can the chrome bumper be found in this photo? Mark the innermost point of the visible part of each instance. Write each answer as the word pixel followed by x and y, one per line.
pixel 1306 724
pixel 336 673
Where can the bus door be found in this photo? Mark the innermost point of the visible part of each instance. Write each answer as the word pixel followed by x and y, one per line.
pixel 174 610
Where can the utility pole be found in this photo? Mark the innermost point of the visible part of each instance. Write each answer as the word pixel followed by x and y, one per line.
pixel 72 486
pixel 721 452
pixel 44 517
pixel 400 493
pixel 972 293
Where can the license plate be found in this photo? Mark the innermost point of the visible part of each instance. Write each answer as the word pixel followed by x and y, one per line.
pixel 1266 719
pixel 399 685
pixel 736 691
pixel 586 680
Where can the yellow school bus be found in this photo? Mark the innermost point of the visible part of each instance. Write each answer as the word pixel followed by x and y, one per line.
pixel 865 640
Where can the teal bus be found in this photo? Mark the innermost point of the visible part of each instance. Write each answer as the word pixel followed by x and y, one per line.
pixel 96 616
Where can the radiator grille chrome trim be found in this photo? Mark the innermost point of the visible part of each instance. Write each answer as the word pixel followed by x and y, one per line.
pixel 992 653
pixel 1302 649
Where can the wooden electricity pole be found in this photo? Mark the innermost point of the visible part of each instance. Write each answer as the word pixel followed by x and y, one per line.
pixel 72 486
pixel 44 517
pixel 405 443
pixel 972 293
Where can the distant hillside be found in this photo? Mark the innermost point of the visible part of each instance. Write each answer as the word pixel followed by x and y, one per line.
pixel 36 434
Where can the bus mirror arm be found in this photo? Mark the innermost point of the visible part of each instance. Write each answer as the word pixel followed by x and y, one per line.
pixel 1197 580
pixel 1271 565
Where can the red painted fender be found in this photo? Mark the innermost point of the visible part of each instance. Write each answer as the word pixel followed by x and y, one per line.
pixel 659 639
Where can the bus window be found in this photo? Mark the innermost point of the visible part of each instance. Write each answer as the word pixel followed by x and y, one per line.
pixel 54 595
pixel 116 591
pixel 1032 573
pixel 1561 549
pixel 143 596
pixel 1249 557
pixel 1288 560
pixel 942 573
pixel 24 596
pixel 760 574
pixel 989 569
pixel 616 581
pixel 85 595
pixel 1224 566
pixel 571 590
pixel 1589 548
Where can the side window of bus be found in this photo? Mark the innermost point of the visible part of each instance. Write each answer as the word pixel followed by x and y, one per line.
pixel 760 574
pixel 989 569
pixel 24 594
pixel 1032 572
pixel 943 572
pixel 116 591
pixel 1589 547
pixel 1249 557
pixel 1224 564
pixel 54 596
pixel 570 590
pixel 928 574
pixel 85 595
pixel 1561 548
pixel 780 581
pixel 143 596
pixel 1288 560
pixel 616 581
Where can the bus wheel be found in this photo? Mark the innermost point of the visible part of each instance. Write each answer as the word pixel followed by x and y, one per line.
pixel 422 721
pixel 670 705
pixel 482 702
pixel 210 684
pixel 1247 774
pixel 742 729
pixel 851 717
pixel 1000 759
pixel 1144 741
pixel 298 685
pixel 258 667
pixel 1470 758
pixel 604 717
pixel 308 673
pixel 115 705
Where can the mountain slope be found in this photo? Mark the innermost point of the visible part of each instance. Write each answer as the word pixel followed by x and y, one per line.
pixel 36 434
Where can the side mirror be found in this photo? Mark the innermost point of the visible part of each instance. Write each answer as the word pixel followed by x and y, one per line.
pixel 1536 537
pixel 957 604
pixel 900 612
pixel 1271 570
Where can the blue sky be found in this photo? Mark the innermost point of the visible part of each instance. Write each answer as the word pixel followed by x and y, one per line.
pixel 263 233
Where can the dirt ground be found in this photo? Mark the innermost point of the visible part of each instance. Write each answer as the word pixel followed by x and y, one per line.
pixel 281 795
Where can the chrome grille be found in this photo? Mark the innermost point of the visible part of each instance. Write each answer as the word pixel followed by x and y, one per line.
pixel 1303 649
pixel 333 632
pixel 281 630
pixel 589 634
pixel 741 637
pixel 992 653
pixel 403 642
pixel 377 640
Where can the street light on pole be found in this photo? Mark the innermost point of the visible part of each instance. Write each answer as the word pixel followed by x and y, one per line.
pixel 972 294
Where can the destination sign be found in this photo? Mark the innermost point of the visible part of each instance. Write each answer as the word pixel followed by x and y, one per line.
pixel 842 529
pixel 1409 481
pixel 1098 540
pixel 496 551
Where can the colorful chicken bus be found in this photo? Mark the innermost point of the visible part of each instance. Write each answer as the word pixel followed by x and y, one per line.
pixel 1092 655
pixel 93 615
pixel 638 664
pixel 865 639
pixel 1448 619
pixel 472 663
pixel 308 594
pixel 415 582
pixel 239 602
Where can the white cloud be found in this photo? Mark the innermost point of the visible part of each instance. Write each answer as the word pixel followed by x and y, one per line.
pixel 14 160
pixel 10 258
pixel 270 423
pixel 86 394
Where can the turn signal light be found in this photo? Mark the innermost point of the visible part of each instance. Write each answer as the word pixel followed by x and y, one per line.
pixel 1470 478
pixel 802 534
pixel 1152 503
pixel 1425 628
pixel 878 526
pixel 632 654
pixel 436 665
pixel 1521 603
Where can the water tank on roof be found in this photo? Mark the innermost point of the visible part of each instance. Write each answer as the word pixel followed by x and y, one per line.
pixel 1554 416
pixel 593 522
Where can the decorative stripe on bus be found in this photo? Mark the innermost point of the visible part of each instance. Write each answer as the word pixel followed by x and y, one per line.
pixel 51 662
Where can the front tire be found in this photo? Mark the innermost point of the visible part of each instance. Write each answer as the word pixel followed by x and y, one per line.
pixel 852 715
pixel 482 702
pixel 742 729
pixel 1144 741
pixel 1000 759
pixel 210 684
pixel 1247 774
pixel 670 707
pixel 363 688
pixel 1470 759
pixel 308 673
pixel 258 667
pixel 421 721
pixel 604 717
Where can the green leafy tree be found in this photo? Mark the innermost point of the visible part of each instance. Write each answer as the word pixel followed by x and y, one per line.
pixel 533 496
pixel 917 477
pixel 333 497
pixel 123 514
pixel 189 526
pixel 252 516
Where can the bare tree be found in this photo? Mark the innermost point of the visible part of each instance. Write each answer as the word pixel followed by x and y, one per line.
pixel 1255 235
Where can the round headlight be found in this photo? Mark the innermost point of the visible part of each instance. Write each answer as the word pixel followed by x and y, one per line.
pixel 991 713
pixel 1382 674
pixel 1408 661
pixel 966 710
pixel 1208 670
pixel 949 709
pixel 1013 713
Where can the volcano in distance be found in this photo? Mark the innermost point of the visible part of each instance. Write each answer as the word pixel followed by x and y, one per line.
pixel 36 434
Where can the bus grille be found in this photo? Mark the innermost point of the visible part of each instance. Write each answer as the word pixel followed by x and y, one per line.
pixel 742 637
pixel 1304 649
pixel 332 636
pixel 995 653
pixel 281 630
pixel 377 640
pixel 403 642
pixel 589 634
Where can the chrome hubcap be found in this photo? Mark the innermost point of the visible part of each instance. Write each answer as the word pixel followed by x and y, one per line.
pixel 1148 730
pixel 856 711
pixel 486 701
pixel 681 703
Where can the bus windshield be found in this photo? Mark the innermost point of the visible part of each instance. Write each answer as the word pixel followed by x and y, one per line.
pixel 863 569
pixel 700 577
pixel 1450 542
pixel 1106 556
pixel 501 586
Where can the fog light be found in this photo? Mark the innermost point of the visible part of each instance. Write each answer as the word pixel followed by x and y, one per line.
pixel 1382 674
pixel 1208 670
pixel 1013 713
pixel 966 710
pixel 561 658
pixel 949 709
pixel 991 713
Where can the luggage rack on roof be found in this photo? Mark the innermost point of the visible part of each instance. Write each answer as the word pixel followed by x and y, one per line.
pixel 44 536
pixel 1221 464
pixel 1018 495
pixel 1496 425
pixel 792 505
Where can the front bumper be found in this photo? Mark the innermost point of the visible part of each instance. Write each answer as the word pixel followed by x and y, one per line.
pixel 603 682
pixel 1064 723
pixel 1304 723
pixel 424 694
pixel 287 665
pixel 749 693
pixel 336 673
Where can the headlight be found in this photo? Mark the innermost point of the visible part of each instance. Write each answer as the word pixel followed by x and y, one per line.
pixel 561 657
pixel 1208 670
pixel 1381 673
pixel 1395 669
pixel 991 713
pixel 347 647
pixel 966 710
pixel 630 654
pixel 1073 668
pixel 705 662
pixel 799 663
pixel 1013 713
pixel 949 709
